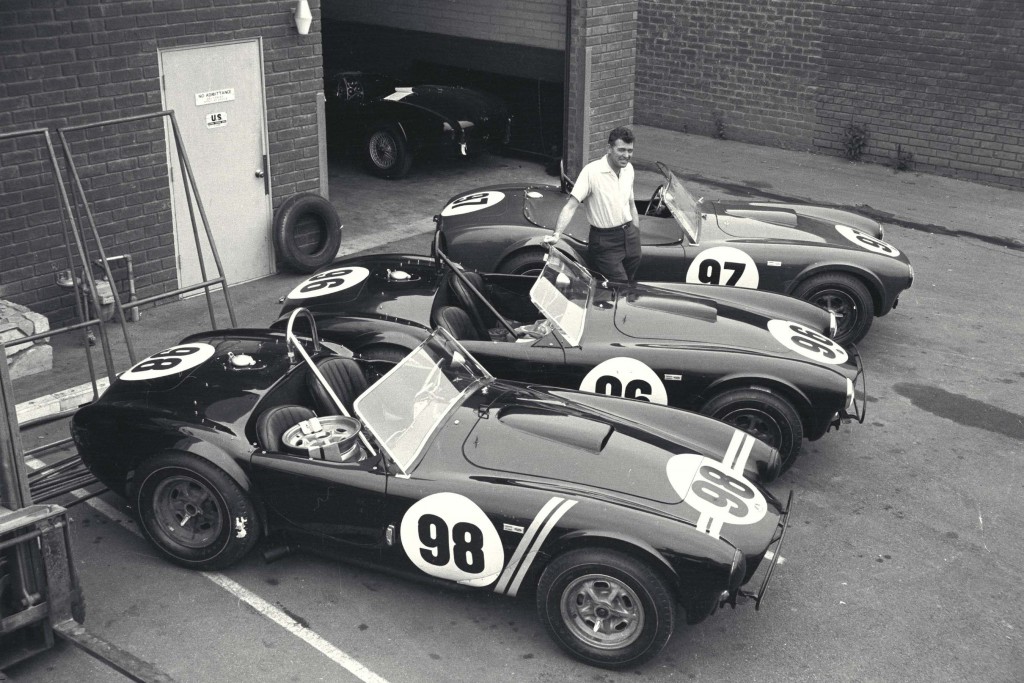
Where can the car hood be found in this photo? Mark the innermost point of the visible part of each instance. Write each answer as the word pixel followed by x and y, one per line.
pixel 386 286
pixel 732 317
pixel 592 449
pixel 789 222
pixel 453 102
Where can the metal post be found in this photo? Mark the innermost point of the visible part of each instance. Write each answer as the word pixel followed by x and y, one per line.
pixel 14 493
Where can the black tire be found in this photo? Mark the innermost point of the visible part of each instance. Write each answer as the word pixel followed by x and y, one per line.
pixel 307 232
pixel 529 262
pixel 193 512
pixel 767 416
pixel 634 627
pixel 846 296
pixel 386 152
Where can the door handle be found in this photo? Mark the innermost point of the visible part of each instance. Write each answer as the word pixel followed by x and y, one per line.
pixel 260 173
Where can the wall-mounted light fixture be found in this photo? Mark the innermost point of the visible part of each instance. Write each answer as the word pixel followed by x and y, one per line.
pixel 303 17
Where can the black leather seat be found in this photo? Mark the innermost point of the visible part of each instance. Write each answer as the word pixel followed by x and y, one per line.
pixel 346 380
pixel 457 322
pixel 478 313
pixel 273 423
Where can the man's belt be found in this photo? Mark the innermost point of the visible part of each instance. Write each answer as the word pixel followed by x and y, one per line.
pixel 614 227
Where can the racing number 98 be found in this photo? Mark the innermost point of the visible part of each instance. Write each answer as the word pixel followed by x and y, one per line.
pixel 165 360
pixel 721 490
pixel 465 545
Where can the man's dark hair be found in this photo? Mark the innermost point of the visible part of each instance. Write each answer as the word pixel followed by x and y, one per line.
pixel 620 133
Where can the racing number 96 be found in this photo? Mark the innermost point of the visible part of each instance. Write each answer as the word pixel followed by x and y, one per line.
pixel 464 545
pixel 723 491
pixel 812 341
pixel 327 280
pixel 611 386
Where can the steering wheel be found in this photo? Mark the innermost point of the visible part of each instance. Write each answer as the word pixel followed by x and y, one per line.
pixel 657 202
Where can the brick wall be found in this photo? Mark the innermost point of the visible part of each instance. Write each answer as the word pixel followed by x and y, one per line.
pixel 70 63
pixel 941 81
pixel 608 28
pixel 537 23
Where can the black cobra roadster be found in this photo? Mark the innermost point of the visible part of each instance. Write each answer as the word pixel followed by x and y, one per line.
pixel 394 122
pixel 616 514
pixel 833 258
pixel 762 362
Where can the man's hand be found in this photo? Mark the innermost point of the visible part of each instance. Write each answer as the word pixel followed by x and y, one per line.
pixel 552 238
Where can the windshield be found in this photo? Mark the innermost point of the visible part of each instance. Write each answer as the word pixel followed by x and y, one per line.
pixel 562 294
pixel 404 407
pixel 681 204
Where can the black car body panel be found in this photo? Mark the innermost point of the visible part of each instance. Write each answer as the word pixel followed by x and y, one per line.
pixel 666 344
pixel 516 468
pixel 771 246
pixel 430 117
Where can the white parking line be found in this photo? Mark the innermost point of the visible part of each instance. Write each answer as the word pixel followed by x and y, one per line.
pixel 263 607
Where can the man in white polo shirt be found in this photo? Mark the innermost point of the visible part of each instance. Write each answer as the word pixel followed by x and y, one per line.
pixel 605 187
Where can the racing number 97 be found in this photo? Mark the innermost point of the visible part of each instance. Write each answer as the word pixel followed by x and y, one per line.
pixel 721 490
pixel 466 544
pixel 710 272
pixel 872 242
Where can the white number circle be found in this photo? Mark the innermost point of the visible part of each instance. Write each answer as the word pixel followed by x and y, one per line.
pixel 714 491
pixel 329 282
pixel 172 361
pixel 448 536
pixel 807 342
pixel 866 241
pixel 625 377
pixel 724 266
pixel 468 203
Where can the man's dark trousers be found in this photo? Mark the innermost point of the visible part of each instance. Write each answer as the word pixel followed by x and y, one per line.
pixel 615 252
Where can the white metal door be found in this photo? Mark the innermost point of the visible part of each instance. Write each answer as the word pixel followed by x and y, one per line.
pixel 217 95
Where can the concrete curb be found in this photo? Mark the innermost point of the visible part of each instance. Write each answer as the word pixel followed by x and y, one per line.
pixel 58 402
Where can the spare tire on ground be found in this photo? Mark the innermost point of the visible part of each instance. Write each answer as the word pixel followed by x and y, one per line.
pixel 307 232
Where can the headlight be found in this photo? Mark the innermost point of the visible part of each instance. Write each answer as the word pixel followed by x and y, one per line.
pixel 833 324
pixel 849 395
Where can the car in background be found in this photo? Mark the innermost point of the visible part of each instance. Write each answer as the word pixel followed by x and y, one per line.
pixel 833 258
pixel 761 362
pixel 616 515
pixel 393 122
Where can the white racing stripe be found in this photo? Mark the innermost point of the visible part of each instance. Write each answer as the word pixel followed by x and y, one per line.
pixel 263 607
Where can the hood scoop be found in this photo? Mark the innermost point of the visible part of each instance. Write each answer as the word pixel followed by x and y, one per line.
pixel 573 449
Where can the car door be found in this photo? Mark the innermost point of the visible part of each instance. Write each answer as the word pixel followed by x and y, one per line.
pixel 340 500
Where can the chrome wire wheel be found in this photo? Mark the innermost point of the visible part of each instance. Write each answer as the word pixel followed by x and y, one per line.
pixel 383 149
pixel 187 512
pixel 602 611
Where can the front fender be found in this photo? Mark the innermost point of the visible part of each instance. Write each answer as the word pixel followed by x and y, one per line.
pixel 870 279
